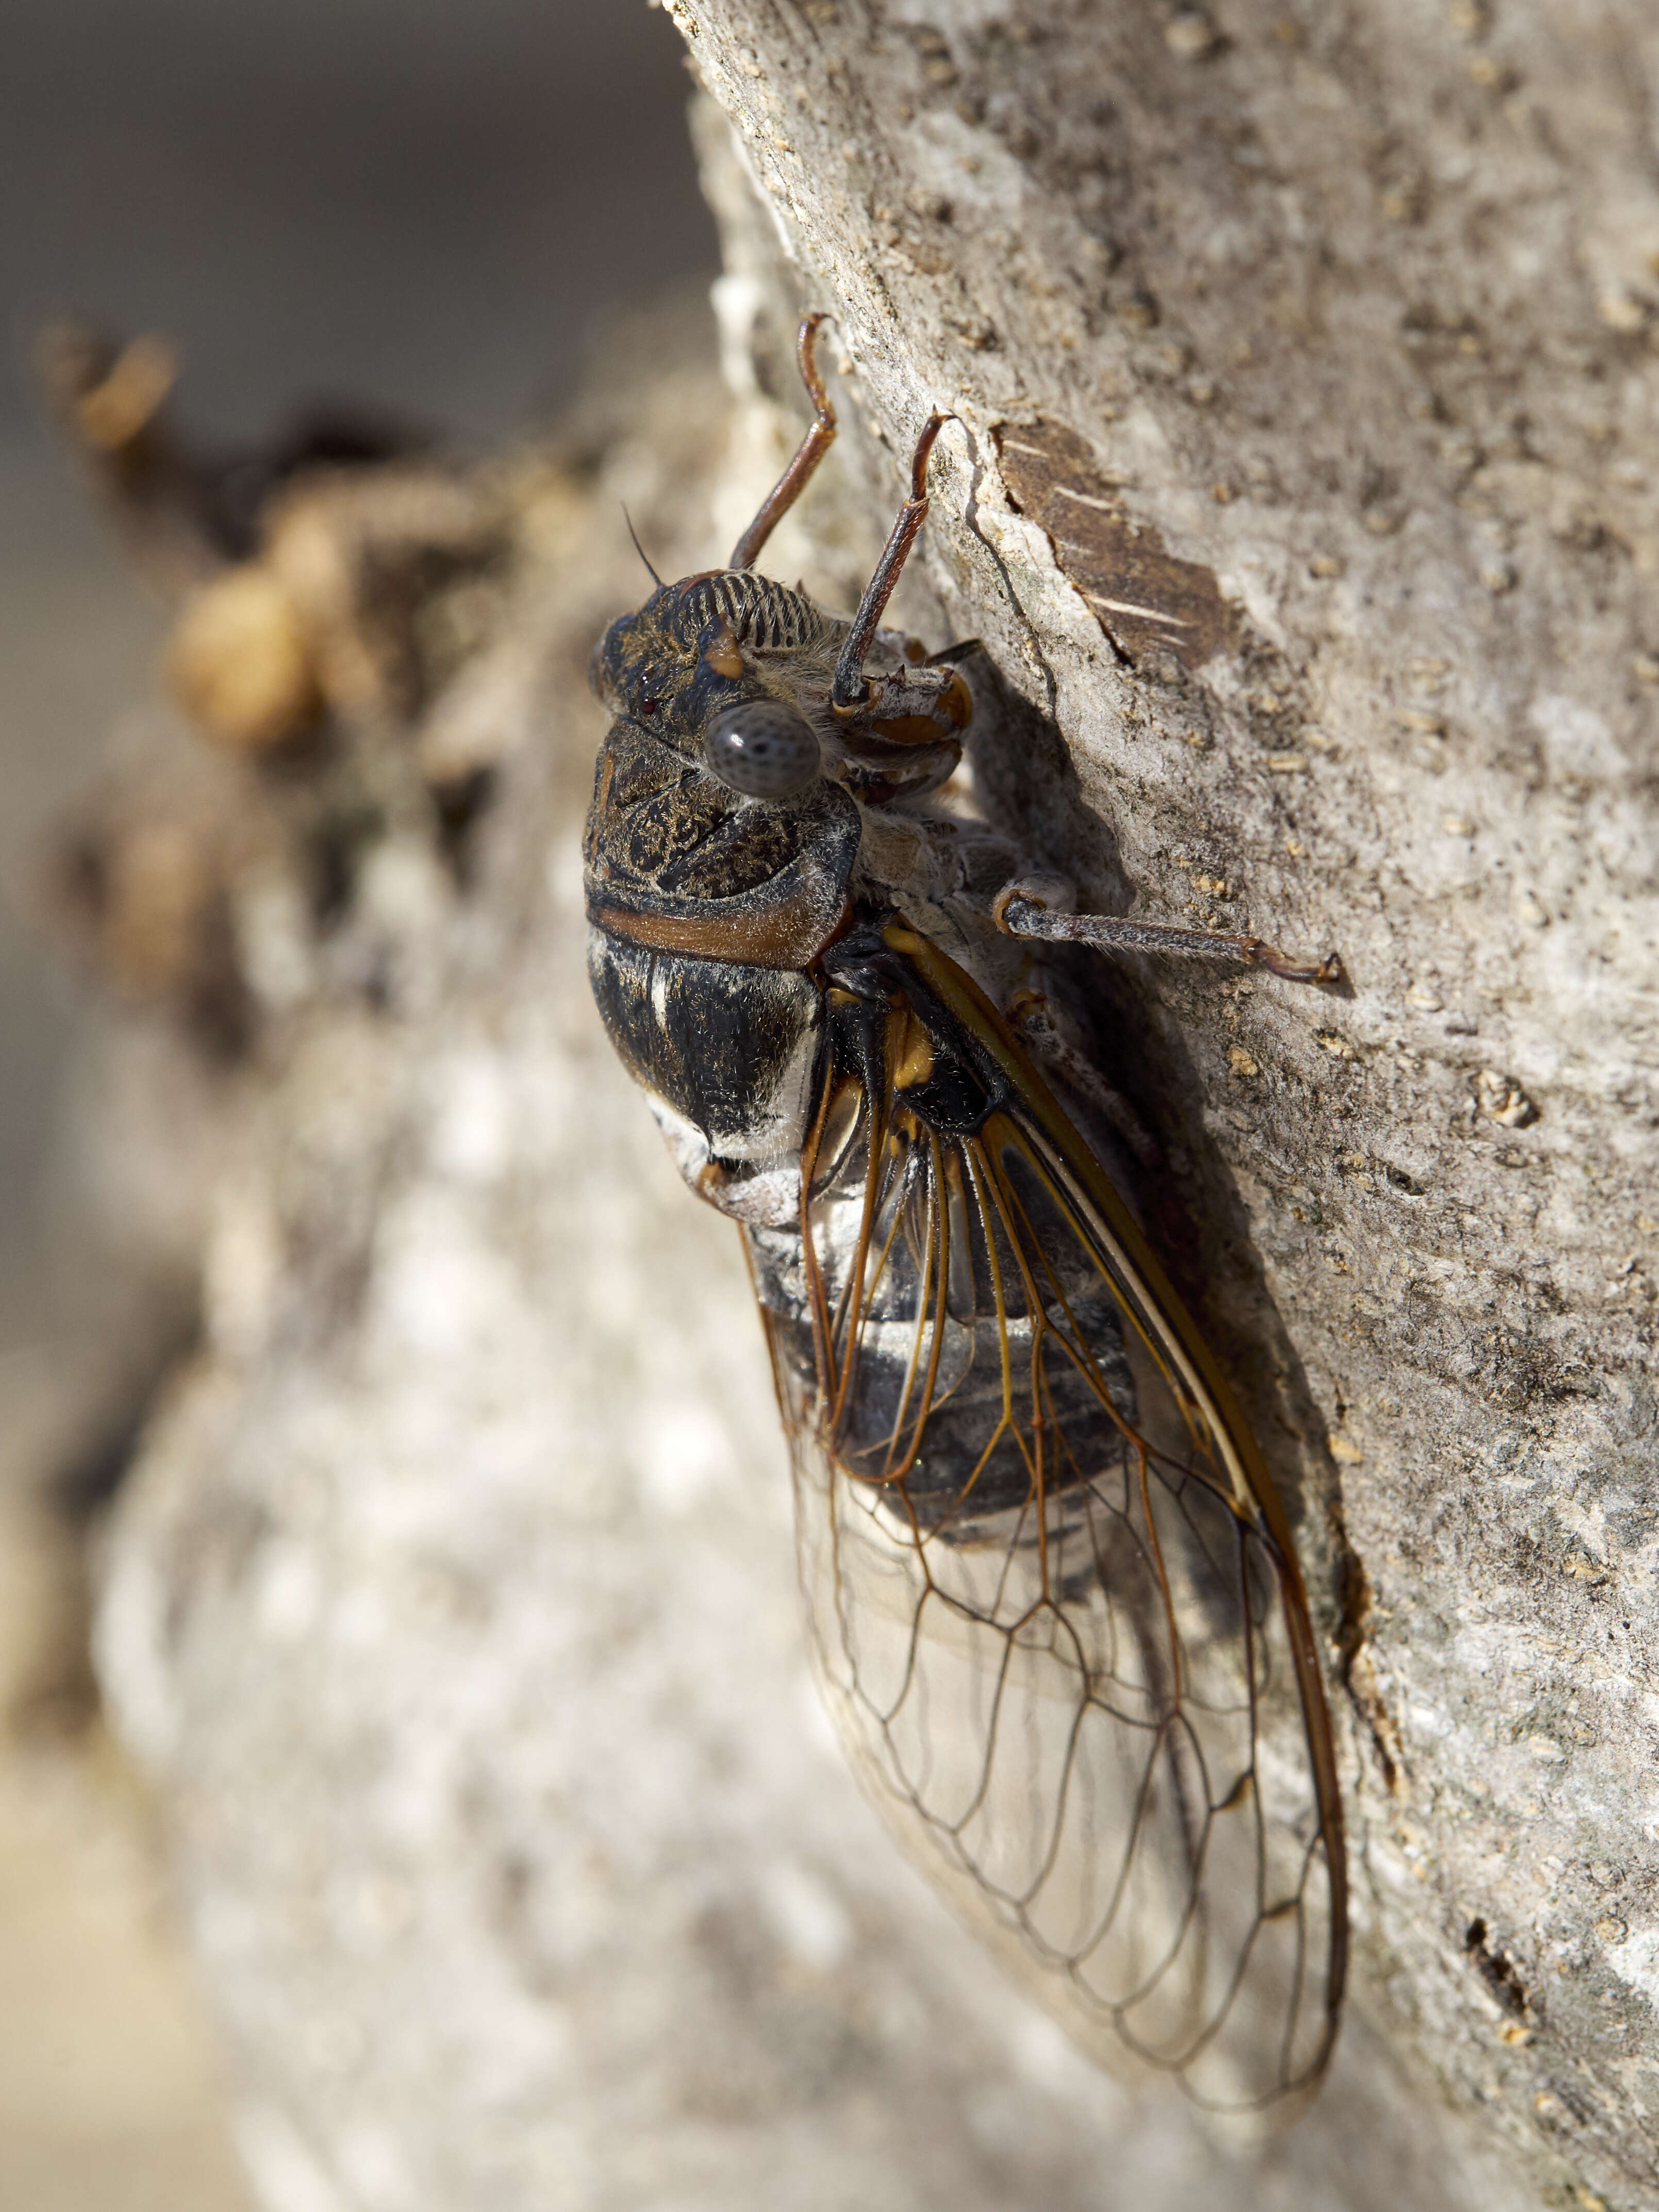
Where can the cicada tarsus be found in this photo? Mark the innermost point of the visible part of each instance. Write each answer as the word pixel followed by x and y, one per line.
pixel 1052 1595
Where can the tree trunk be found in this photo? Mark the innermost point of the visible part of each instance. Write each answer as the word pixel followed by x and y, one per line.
pixel 1303 486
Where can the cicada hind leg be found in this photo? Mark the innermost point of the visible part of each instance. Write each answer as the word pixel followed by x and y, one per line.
pixel 1038 907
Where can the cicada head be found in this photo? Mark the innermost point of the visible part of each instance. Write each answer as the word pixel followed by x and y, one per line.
pixel 712 642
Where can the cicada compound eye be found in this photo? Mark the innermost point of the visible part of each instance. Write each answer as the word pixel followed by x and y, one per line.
pixel 763 749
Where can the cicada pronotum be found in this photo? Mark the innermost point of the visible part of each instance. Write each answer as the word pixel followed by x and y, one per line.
pixel 1052 1595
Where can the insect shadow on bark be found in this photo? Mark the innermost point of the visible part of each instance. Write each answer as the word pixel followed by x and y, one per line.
pixel 1030 786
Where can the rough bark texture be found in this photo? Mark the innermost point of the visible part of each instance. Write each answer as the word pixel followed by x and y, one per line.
pixel 1303 488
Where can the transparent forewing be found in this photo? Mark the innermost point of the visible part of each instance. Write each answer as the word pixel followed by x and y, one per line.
pixel 1060 1645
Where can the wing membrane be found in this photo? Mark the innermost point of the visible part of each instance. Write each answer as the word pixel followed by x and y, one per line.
pixel 1052 1599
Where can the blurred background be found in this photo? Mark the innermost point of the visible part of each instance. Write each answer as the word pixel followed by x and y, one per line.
pixel 433 209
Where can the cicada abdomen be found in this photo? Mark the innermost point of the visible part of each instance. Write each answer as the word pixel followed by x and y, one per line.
pixel 1053 1599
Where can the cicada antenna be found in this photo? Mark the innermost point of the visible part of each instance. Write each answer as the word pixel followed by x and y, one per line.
pixel 640 551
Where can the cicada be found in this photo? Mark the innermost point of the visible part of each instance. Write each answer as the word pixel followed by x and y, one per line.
pixel 1052 1599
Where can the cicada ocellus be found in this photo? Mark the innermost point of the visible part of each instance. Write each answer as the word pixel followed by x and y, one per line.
pixel 1052 1598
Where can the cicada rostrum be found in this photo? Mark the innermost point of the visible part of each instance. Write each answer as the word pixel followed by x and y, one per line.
pixel 1052 1598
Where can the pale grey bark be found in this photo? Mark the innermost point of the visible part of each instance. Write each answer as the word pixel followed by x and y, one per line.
pixel 1354 310
pixel 451 1607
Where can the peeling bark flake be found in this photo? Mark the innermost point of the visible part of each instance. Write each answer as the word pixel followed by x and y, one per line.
pixel 1142 597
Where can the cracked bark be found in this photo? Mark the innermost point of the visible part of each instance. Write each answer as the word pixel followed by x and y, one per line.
pixel 1305 492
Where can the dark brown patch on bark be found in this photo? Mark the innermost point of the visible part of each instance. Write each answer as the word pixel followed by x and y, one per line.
pixel 1142 597
pixel 1497 1970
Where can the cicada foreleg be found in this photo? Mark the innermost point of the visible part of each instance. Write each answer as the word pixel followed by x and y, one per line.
pixel 850 691
pixel 807 455
pixel 1031 1014
pixel 1032 908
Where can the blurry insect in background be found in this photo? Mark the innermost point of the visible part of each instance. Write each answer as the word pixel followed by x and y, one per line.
pixel 1053 1599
